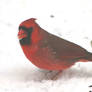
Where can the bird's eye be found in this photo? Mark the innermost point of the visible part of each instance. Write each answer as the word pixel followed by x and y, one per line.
pixel 31 29
pixel 26 29
pixel 23 28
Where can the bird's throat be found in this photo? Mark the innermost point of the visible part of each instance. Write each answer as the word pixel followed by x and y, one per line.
pixel 25 41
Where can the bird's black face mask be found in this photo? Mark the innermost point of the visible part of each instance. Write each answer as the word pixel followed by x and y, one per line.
pixel 26 40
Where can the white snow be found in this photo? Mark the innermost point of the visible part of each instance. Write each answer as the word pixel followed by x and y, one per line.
pixel 72 21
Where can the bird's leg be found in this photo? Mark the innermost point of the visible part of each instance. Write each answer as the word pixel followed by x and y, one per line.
pixel 55 77
pixel 48 73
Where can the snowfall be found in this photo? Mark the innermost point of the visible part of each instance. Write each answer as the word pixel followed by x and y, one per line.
pixel 68 19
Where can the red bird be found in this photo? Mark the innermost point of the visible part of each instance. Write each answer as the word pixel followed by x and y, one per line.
pixel 48 51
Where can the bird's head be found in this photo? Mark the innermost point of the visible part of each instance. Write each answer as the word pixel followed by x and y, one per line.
pixel 28 31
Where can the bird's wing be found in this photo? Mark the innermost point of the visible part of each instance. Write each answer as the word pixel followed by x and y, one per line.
pixel 64 49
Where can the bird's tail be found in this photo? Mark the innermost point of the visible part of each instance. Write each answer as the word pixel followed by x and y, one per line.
pixel 88 57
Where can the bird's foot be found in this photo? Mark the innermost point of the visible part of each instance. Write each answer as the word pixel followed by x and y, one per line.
pixel 56 76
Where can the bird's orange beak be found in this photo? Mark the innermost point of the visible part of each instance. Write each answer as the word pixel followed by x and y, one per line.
pixel 22 34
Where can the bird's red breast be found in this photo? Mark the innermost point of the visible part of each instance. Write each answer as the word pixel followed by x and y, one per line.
pixel 48 51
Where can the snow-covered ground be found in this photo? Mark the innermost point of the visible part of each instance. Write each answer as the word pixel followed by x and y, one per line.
pixel 69 19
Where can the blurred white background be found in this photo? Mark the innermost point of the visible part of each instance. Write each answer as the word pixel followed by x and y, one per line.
pixel 69 19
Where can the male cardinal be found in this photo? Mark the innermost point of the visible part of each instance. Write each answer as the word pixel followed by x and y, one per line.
pixel 48 51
